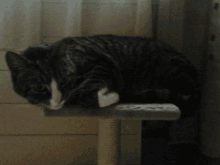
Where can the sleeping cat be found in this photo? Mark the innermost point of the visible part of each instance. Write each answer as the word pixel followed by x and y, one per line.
pixel 102 70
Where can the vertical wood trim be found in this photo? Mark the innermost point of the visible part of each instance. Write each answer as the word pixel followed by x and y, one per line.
pixel 210 115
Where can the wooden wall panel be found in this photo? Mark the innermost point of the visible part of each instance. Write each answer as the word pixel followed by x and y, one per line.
pixel 61 150
pixel 7 95
pixel 28 119
pixel 3 65
pixel 48 150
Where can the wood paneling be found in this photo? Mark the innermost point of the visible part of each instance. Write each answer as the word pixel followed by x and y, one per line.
pixel 61 150
pixel 7 95
pixel 28 119
pixel 3 65
pixel 48 150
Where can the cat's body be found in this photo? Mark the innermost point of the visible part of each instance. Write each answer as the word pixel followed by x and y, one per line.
pixel 74 69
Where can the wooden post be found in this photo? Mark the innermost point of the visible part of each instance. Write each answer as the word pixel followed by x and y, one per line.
pixel 109 141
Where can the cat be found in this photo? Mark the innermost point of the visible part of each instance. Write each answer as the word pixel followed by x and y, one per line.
pixel 102 70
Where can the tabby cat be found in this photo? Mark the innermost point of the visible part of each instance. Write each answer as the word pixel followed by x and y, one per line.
pixel 101 70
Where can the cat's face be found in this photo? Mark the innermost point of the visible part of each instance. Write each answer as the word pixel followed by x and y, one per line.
pixel 34 78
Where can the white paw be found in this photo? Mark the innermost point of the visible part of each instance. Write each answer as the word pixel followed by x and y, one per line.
pixel 107 99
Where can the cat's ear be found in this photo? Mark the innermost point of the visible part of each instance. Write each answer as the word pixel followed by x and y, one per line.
pixel 16 62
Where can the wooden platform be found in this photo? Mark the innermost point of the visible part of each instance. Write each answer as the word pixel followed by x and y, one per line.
pixel 122 111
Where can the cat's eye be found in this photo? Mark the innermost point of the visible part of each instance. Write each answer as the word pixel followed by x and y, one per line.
pixel 39 88
pixel 64 80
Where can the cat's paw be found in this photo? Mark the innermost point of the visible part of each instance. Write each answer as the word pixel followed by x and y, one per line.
pixel 107 99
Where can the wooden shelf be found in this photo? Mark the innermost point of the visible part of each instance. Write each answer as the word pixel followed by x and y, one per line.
pixel 122 111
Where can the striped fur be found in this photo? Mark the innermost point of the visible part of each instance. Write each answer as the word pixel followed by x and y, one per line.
pixel 137 69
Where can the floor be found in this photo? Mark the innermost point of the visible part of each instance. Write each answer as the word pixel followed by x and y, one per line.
pixel 157 151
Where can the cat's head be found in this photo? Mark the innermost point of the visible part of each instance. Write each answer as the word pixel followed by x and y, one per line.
pixel 34 78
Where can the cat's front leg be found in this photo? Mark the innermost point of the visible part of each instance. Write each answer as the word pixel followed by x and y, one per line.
pixel 106 98
pixel 97 96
